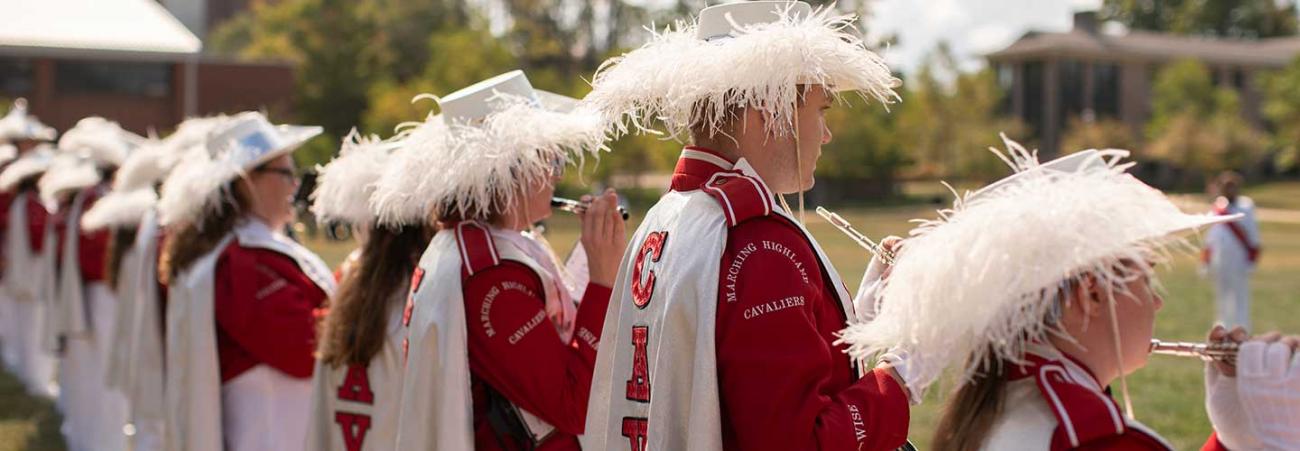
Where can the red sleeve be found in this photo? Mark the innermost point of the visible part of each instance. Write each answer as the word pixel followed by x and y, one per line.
pixel 91 250
pixel 92 247
pixel 516 350
pixel 1213 444
pixel 783 384
pixel 264 303
pixel 36 219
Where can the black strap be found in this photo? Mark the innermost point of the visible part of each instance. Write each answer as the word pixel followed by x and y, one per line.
pixel 504 420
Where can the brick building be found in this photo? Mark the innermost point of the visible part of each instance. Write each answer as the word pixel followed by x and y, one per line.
pixel 127 60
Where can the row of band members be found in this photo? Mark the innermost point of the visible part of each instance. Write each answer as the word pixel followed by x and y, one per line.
pixel 455 326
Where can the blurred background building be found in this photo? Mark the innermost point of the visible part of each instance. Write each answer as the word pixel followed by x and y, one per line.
pixel 1050 77
pixel 129 60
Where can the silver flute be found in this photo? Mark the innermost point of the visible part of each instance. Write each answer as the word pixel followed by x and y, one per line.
pixel 862 240
pixel 1225 352
pixel 573 206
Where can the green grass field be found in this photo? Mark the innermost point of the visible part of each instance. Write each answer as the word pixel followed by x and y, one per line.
pixel 1168 394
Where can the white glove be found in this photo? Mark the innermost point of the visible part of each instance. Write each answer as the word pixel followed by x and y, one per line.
pixel 865 303
pixel 1226 414
pixel 900 361
pixel 1268 384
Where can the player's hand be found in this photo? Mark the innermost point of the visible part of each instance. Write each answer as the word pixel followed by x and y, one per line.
pixel 1268 384
pixel 603 236
pixel 866 303
pixel 1222 402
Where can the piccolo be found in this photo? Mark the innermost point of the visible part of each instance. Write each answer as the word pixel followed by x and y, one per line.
pixel 573 206
pixel 1223 352
pixel 856 236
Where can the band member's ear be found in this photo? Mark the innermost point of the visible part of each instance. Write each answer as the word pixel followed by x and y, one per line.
pixel 1089 296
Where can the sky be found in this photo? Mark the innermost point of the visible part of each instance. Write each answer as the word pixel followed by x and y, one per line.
pixel 972 27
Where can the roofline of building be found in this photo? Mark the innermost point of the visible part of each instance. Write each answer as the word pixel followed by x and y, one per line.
pixel 97 54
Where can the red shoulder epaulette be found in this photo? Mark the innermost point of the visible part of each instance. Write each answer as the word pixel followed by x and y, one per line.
pixel 1083 414
pixel 477 251
pixel 742 197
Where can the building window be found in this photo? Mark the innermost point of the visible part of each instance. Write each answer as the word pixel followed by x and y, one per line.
pixel 1105 96
pixel 15 77
pixel 1006 79
pixel 135 79
pixel 1034 98
pixel 1072 92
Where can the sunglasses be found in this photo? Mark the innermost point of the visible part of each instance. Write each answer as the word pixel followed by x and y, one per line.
pixel 287 172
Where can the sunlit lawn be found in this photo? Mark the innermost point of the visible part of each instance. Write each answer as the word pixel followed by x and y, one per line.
pixel 1167 394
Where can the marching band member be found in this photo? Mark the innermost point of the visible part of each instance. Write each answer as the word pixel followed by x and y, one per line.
pixel 19 133
pixel 86 305
pixel 241 296
pixel 499 348
pixel 357 384
pixel 1231 252
pixel 28 253
pixel 1042 288
pixel 64 330
pixel 722 325
pixel 127 214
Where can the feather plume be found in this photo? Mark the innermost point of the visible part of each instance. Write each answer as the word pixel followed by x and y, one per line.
pixel 476 166
pixel 119 209
pixel 677 77
pixel 67 174
pixel 195 187
pixel 33 163
pixel 985 274
pixel 344 186
pixel 101 140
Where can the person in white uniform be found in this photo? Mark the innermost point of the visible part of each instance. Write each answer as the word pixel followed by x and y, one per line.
pixel 357 384
pixel 1231 252
pixel 242 297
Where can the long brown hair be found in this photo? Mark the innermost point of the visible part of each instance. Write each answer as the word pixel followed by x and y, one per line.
pixel 120 240
pixel 192 240
pixel 357 323
pixel 971 411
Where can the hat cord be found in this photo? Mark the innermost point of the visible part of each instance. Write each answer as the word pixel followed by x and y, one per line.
pixel 1119 357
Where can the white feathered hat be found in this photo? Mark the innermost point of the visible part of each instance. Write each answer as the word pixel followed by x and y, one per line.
pixel 31 164
pixel 17 125
pixel 240 144
pixel 344 186
pixel 746 54
pixel 8 152
pixel 134 192
pixel 68 173
pixel 985 275
pixel 100 140
pixel 491 139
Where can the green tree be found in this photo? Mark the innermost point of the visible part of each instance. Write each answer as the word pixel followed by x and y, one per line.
pixel 1100 134
pixel 948 126
pixel 1198 127
pixel 1282 109
pixel 1222 18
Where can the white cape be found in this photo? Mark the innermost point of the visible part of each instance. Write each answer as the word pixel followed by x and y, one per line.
pixel 684 411
pixel 194 415
pixel 437 409
pixel 374 423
